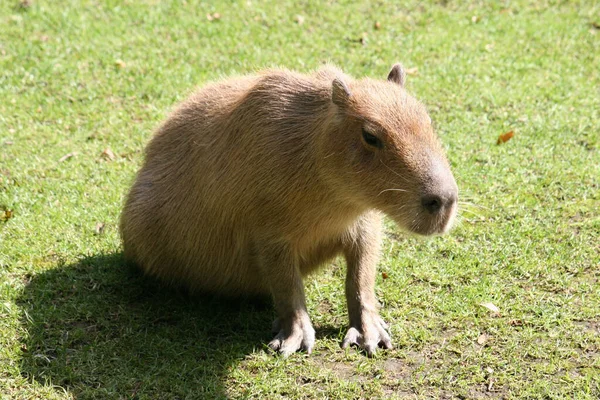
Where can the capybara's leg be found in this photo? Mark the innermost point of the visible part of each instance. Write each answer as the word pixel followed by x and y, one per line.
pixel 367 329
pixel 280 268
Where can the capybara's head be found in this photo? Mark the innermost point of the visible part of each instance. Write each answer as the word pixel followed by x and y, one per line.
pixel 386 155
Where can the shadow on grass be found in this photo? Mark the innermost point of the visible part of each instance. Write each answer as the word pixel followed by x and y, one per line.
pixel 101 330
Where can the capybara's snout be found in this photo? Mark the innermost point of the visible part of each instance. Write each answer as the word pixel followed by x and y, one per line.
pixel 438 201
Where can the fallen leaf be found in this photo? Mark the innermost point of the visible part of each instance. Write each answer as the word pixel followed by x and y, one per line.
pixel 377 25
pixel 411 71
pixel 515 322
pixel 213 16
pixel 67 156
pixel 596 25
pixel 505 137
pixel 299 19
pixel 120 63
pixel 475 19
pixel 482 339
pixel 384 275
pixel 99 228
pixel 108 153
pixel 6 214
pixel 492 307
pixel 363 39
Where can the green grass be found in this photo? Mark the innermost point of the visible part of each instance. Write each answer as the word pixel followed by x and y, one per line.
pixel 82 76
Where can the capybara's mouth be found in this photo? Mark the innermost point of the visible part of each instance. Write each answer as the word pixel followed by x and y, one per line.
pixel 430 225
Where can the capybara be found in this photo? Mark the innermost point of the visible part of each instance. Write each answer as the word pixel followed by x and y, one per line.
pixel 254 182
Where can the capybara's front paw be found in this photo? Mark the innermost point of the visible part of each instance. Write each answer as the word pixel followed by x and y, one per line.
pixel 369 334
pixel 293 336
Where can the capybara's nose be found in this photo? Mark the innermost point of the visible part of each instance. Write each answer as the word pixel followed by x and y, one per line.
pixel 433 203
pixel 440 192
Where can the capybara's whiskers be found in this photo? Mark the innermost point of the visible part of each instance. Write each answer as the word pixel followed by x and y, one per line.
pixel 466 210
pixel 394 172
pixel 463 203
pixel 458 220
pixel 393 190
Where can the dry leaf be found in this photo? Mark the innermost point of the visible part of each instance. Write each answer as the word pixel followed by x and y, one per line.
pixel 299 19
pixel 6 214
pixel 120 63
pixel 99 228
pixel 475 19
pixel 363 39
pixel 492 307
pixel 377 25
pixel 482 339
pixel 67 156
pixel 505 137
pixel 384 275
pixel 108 153
pixel 411 71
pixel 213 16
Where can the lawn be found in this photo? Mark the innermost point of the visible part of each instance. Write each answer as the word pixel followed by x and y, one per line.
pixel 83 84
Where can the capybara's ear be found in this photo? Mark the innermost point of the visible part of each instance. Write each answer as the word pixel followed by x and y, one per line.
pixel 340 93
pixel 397 75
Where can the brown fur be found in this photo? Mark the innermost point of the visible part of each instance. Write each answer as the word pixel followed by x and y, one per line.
pixel 254 182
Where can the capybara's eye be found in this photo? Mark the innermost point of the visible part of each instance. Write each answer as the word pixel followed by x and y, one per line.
pixel 371 139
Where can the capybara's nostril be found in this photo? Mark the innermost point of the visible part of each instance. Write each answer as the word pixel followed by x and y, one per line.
pixel 432 203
